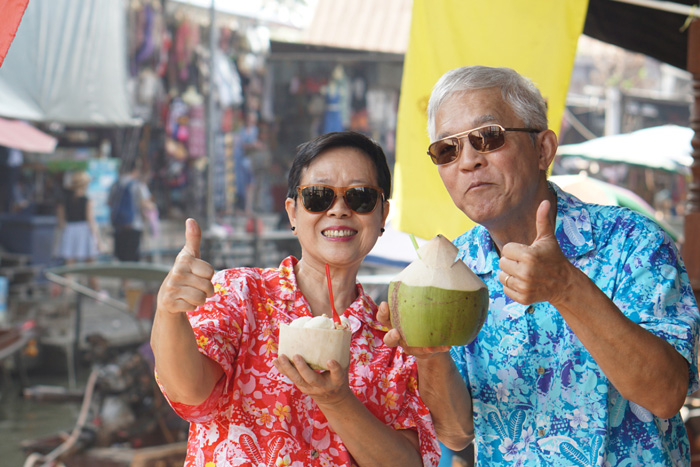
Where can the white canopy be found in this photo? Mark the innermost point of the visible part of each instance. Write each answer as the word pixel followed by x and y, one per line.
pixel 665 147
pixel 68 64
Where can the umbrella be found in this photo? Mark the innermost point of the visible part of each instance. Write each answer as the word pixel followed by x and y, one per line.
pixel 592 190
pixel 665 147
pixel 19 135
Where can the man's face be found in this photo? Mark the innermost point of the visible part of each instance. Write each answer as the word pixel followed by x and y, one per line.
pixel 496 187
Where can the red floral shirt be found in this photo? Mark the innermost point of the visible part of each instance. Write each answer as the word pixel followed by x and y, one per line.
pixel 255 416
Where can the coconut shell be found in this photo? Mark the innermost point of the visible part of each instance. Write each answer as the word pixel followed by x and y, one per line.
pixel 437 300
pixel 316 345
pixel 432 316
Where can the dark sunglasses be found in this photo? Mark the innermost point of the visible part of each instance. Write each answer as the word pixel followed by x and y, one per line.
pixel 362 199
pixel 483 139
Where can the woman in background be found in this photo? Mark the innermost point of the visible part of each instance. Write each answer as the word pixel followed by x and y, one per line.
pixel 76 222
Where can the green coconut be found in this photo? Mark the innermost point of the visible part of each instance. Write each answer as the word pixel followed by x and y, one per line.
pixel 437 300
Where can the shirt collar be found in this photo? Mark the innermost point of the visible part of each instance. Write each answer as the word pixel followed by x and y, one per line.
pixel 573 227
pixel 362 310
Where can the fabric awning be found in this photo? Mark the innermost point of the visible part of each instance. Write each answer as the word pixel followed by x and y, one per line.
pixel 68 64
pixel 20 135
pixel 361 25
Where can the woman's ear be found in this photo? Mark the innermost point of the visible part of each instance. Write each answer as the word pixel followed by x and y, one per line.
pixel 290 207
pixel 385 213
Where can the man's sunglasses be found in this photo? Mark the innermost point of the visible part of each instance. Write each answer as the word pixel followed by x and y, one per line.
pixel 483 139
pixel 362 199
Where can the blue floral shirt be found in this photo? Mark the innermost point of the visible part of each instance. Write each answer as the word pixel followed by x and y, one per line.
pixel 539 397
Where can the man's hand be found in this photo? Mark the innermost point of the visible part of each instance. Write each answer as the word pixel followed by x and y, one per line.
pixel 539 272
pixel 393 337
pixel 188 284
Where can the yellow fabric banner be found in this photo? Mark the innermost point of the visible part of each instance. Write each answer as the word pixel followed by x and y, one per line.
pixel 536 38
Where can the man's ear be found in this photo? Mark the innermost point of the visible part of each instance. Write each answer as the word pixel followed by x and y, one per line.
pixel 548 145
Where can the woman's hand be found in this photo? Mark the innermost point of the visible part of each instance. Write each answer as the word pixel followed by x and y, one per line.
pixel 187 375
pixel 188 284
pixel 368 439
pixel 326 388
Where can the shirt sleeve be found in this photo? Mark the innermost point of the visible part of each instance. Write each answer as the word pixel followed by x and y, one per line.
pixel 218 329
pixel 654 291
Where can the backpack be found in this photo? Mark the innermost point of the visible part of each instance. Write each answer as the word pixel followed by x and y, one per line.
pixel 121 205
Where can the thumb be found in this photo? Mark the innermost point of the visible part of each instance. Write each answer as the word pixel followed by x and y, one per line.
pixel 193 238
pixel 543 225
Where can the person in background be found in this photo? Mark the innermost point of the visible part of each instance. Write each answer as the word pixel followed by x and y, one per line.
pixel 129 201
pixel 590 345
pixel 11 160
pixel 247 143
pixel 79 234
pixel 215 344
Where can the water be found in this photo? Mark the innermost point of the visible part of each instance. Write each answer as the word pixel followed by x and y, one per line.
pixel 22 419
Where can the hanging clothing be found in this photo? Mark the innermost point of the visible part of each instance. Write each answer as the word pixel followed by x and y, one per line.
pixel 333 118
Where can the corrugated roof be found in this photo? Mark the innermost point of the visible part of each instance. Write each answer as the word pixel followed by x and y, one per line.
pixel 378 26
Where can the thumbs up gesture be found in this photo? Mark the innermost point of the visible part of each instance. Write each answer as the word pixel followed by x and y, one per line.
pixel 538 272
pixel 188 284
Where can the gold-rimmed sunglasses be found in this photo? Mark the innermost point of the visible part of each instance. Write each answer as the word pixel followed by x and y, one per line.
pixel 483 139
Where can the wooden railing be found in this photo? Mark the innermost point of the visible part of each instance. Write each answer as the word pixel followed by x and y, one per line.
pixel 691 244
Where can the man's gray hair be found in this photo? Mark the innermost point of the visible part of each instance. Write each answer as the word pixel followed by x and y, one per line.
pixel 522 95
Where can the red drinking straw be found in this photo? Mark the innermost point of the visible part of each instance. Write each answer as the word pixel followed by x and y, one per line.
pixel 336 318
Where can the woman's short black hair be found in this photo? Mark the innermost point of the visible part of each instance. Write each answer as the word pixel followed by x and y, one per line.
pixel 310 150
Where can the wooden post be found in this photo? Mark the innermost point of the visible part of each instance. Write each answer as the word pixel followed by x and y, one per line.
pixel 691 243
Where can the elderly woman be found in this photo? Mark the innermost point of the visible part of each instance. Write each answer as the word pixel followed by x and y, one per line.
pixel 215 340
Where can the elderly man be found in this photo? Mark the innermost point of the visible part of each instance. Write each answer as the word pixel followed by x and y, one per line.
pixel 591 342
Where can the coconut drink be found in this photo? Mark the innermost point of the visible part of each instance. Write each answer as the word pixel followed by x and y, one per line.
pixel 317 339
pixel 437 301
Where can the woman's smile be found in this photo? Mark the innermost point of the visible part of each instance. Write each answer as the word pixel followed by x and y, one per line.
pixel 339 233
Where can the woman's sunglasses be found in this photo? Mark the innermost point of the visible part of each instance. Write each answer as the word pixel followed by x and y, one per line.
pixel 362 199
pixel 483 139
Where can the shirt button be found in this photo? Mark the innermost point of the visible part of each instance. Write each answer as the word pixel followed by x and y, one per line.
pixel 530 309
pixel 540 432
pixel 540 370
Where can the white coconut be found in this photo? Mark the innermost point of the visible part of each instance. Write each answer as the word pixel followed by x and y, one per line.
pixel 436 267
pixel 320 322
pixel 300 322
pixel 317 340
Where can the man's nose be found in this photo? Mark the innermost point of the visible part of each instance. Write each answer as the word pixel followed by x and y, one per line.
pixel 468 157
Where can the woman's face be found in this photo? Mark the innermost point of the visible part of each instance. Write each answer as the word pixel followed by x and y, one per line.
pixel 338 236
